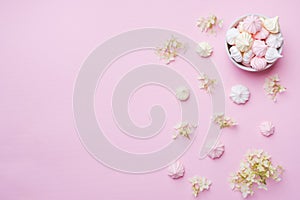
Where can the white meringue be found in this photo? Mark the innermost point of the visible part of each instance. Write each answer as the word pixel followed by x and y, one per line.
pixel 247 57
pixel 262 34
pixel 217 151
pixel 204 49
pixel 240 26
pixel 272 55
pixel 244 41
pixel 231 35
pixel 272 24
pixel 235 54
pixel 267 128
pixel 176 170
pixel 275 40
pixel 239 94
pixel 182 93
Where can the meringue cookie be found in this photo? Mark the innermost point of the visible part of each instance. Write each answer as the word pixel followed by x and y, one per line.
pixel 217 151
pixel 182 93
pixel 243 41
pixel 272 55
pixel 275 40
pixel 262 34
pixel 252 24
pixel 240 26
pixel 239 94
pixel 259 48
pixel 235 54
pixel 267 128
pixel 204 49
pixel 231 35
pixel 176 170
pixel 258 63
pixel 247 57
pixel 272 24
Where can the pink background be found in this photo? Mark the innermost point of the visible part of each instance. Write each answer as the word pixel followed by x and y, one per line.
pixel 42 45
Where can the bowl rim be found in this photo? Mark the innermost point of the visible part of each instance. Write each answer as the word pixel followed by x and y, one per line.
pixel 243 67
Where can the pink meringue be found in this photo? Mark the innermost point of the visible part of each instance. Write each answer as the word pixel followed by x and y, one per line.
pixel 259 48
pixel 267 128
pixel 252 24
pixel 217 151
pixel 176 170
pixel 258 63
pixel 262 34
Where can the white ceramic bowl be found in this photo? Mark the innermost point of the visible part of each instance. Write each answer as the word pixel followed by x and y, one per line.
pixel 240 65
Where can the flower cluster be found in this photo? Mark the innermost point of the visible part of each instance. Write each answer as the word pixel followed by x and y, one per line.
pixel 223 121
pixel 169 50
pixel 184 129
pixel 273 87
pixel 206 83
pixel 254 171
pixel 199 184
pixel 209 24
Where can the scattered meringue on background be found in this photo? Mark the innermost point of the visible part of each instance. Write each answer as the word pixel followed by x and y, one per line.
pixel 217 151
pixel 204 49
pixel 267 128
pixel 239 94
pixel 182 93
pixel 176 170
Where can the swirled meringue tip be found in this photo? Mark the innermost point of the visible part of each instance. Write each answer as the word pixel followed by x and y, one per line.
pixel 217 151
pixel 267 128
pixel 176 170
pixel 272 24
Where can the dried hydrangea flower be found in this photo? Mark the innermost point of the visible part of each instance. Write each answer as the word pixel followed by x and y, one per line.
pixel 206 83
pixel 273 87
pixel 209 24
pixel 255 170
pixel 199 184
pixel 169 50
pixel 223 121
pixel 184 129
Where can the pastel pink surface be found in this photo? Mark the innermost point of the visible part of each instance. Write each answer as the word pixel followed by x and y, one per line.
pixel 43 44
